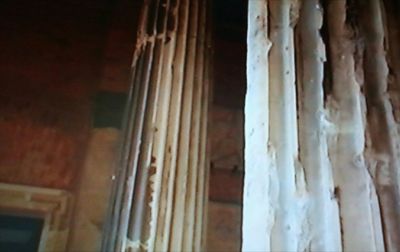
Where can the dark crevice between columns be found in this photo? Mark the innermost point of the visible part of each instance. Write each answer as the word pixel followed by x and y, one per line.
pixel 327 77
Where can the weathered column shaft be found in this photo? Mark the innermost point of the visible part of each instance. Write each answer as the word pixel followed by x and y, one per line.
pixel 324 226
pixel 257 211
pixel 283 127
pixel 322 141
pixel 158 198
pixel 353 188
pixel 382 128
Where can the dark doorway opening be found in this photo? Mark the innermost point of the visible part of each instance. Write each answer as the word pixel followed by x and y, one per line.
pixel 20 233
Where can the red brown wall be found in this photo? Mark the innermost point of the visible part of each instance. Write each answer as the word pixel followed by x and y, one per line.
pixel 226 128
pixel 55 56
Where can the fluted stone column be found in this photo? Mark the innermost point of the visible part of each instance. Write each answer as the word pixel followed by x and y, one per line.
pixel 322 141
pixel 159 196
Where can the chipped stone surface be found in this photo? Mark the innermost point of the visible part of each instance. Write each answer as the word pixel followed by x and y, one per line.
pixel 329 178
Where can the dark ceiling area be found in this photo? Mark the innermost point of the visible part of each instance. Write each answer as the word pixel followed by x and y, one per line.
pixel 229 32
pixel 230 20
pixel 55 57
pixel 48 45
pixel 74 32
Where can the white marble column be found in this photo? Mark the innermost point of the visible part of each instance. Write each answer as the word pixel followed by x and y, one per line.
pixel 322 126
pixel 158 201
